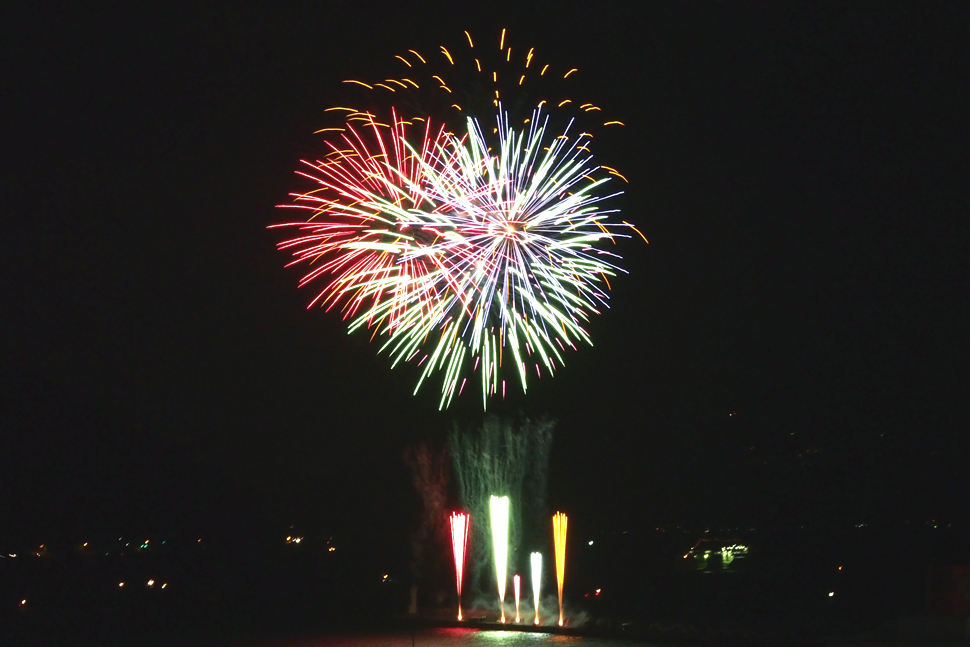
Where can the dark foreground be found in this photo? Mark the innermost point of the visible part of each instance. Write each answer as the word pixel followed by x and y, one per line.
pixel 796 587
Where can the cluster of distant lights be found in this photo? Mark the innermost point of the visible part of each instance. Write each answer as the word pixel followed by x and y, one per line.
pixel 42 549
pixel 727 553
pixel 150 584
pixel 298 539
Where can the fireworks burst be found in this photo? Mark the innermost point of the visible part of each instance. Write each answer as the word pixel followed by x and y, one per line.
pixel 465 252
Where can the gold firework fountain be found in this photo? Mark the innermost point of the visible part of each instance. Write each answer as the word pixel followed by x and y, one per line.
pixel 559 535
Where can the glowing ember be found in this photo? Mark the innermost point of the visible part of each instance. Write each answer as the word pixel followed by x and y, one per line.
pixel 499 507
pixel 459 541
pixel 559 535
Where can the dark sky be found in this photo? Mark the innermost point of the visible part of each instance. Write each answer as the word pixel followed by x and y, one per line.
pixel 799 168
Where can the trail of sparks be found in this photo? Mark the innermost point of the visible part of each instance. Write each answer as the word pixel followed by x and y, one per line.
pixel 536 559
pixel 459 522
pixel 559 536
pixel 499 509
pixel 517 586
pixel 469 259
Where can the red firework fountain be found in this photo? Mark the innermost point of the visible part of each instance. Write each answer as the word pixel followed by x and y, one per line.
pixel 459 541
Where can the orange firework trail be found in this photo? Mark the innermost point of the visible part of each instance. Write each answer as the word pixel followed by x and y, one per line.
pixel 459 541
pixel 559 535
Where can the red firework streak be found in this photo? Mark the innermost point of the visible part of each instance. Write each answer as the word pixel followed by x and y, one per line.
pixel 517 583
pixel 459 541
pixel 365 186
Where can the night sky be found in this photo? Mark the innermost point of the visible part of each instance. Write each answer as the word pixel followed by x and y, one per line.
pixel 799 168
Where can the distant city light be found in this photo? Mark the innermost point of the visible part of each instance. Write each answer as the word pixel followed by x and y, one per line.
pixel 590 542
pixel 164 584
pixel 151 583
pixel 831 594
pixel 121 584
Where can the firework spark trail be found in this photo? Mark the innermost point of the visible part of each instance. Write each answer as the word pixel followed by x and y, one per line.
pixel 459 542
pixel 519 240
pixel 517 585
pixel 500 544
pixel 514 460
pixel 483 249
pixel 559 535
pixel 536 559
pixel 356 228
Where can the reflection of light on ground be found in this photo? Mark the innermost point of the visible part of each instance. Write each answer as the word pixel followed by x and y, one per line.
pixel 456 637
pixel 527 638
pixel 475 637
pixel 510 637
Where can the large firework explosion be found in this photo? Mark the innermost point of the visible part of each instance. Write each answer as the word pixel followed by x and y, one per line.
pixel 466 247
